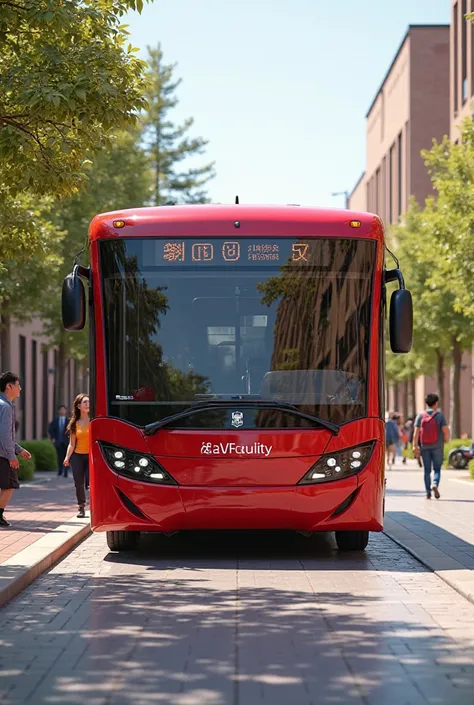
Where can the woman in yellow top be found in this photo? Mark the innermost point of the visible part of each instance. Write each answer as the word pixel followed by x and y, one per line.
pixel 78 449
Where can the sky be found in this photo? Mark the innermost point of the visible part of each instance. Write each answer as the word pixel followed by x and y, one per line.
pixel 280 88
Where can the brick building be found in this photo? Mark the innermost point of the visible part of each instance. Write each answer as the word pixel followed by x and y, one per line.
pixel 411 107
pixel 37 368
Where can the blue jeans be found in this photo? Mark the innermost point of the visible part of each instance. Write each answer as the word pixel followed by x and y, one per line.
pixel 432 457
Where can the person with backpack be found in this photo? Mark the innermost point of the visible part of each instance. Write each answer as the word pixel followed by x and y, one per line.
pixel 431 433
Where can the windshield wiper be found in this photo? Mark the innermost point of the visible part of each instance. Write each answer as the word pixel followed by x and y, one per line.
pixel 209 406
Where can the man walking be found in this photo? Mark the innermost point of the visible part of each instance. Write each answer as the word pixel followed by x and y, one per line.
pixel 9 391
pixel 432 432
pixel 57 433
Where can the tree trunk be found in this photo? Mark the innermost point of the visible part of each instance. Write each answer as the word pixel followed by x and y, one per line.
pixel 59 379
pixel 396 397
pixel 413 409
pixel 455 390
pixel 405 401
pixel 5 342
pixel 440 376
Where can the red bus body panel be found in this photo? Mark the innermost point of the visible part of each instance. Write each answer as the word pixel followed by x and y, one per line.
pixel 219 491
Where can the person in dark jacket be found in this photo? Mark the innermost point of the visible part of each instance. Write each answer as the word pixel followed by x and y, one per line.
pixel 57 433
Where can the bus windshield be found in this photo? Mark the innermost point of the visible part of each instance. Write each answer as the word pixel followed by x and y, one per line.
pixel 252 320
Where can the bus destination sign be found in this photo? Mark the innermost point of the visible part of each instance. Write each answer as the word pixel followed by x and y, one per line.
pixel 244 252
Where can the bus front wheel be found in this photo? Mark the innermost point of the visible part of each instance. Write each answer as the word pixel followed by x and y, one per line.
pixel 122 540
pixel 352 540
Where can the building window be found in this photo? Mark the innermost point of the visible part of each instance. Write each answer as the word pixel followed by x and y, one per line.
pixel 455 57
pixel 24 384
pixel 465 91
pixel 34 384
pixel 400 173
pixel 56 381
pixel 45 394
pixel 390 185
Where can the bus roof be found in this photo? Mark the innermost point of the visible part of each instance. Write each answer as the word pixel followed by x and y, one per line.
pixel 234 220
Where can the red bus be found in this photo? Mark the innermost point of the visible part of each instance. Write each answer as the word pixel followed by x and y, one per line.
pixel 237 369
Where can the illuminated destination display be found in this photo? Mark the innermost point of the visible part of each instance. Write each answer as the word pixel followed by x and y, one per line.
pixel 242 252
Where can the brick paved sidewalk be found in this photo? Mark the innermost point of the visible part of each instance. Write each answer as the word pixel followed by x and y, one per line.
pixel 438 532
pixel 34 511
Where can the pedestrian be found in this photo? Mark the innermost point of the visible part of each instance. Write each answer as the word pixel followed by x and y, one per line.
pixel 407 433
pixel 77 454
pixel 391 438
pixel 10 389
pixel 57 433
pixel 431 433
pixel 398 420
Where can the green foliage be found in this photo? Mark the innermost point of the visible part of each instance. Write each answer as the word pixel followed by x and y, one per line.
pixel 471 468
pixel 437 321
pixel 168 144
pixel 26 471
pixel 43 452
pixel 69 80
pixel 117 177
pixel 451 216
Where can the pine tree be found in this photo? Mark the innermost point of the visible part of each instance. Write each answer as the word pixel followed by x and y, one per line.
pixel 167 144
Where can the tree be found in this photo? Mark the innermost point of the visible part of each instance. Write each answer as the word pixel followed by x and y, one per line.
pixel 441 331
pixel 168 144
pixel 23 284
pixel 119 176
pixel 451 167
pixel 68 81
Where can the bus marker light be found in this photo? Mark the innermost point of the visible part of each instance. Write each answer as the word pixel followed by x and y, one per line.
pixel 119 454
pixel 137 469
pixel 331 462
pixel 119 464
pixel 356 464
pixel 143 462
pixel 118 223
pixel 355 223
pixel 318 475
pixel 157 475
pixel 356 454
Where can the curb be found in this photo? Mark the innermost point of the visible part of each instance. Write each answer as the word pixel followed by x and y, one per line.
pixel 19 571
pixel 442 574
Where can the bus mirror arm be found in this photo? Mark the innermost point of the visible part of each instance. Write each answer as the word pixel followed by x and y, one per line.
pixel 80 270
pixel 392 275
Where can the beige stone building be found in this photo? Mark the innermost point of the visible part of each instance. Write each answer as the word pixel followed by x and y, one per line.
pixel 411 107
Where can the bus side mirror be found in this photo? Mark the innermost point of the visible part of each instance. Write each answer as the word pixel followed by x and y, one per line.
pixel 401 321
pixel 73 300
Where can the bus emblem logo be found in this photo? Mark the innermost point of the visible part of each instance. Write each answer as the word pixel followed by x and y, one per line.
pixel 237 419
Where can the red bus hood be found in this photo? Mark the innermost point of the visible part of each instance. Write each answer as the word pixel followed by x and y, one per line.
pixel 235 458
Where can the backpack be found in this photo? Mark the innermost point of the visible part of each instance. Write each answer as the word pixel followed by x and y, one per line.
pixel 429 432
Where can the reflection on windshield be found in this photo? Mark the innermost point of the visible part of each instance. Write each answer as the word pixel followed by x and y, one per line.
pixel 294 332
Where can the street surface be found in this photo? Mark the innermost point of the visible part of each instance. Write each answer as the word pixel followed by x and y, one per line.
pixel 242 620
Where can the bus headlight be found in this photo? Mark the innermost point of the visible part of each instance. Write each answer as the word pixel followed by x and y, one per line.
pixel 340 464
pixel 138 466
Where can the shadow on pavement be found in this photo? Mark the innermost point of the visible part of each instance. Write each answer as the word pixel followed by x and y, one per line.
pixel 215 635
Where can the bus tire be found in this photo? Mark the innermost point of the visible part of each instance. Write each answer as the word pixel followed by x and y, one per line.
pixel 122 540
pixel 352 540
